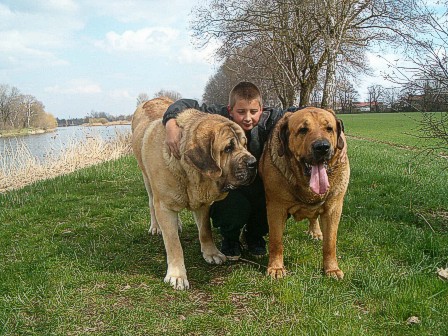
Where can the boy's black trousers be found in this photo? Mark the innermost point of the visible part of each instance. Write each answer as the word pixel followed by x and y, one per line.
pixel 243 206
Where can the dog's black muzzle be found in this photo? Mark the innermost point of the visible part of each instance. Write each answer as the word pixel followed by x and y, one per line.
pixel 321 150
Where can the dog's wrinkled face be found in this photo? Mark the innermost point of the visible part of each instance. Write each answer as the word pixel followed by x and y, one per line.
pixel 220 153
pixel 312 136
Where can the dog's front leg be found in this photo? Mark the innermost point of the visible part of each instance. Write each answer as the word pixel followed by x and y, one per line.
pixel 276 218
pixel 208 248
pixel 176 274
pixel 330 221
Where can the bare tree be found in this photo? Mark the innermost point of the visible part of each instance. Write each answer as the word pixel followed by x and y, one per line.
pixel 9 101
pixel 142 97
pixel 348 26
pixel 391 98
pixel 376 97
pixel 292 41
pixel 232 71
pixel 173 95
pixel 30 109
pixel 423 71
pixel 346 95
pixel 219 85
pixel 22 111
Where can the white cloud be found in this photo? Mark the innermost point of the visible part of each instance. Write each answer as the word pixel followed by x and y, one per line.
pixel 31 33
pixel 121 94
pixel 156 40
pixel 78 86
pixel 188 54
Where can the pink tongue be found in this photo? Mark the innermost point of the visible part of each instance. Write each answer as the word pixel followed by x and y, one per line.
pixel 319 179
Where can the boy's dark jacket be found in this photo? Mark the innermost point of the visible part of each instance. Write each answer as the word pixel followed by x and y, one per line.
pixel 255 137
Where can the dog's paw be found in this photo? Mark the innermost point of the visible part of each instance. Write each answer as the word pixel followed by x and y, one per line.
pixel 317 235
pixel 335 274
pixel 178 283
pixel 215 257
pixel 276 272
pixel 154 230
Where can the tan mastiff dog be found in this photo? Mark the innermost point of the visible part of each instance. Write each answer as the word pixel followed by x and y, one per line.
pixel 213 160
pixel 304 177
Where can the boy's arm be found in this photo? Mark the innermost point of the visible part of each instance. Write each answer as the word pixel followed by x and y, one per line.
pixel 173 136
pixel 177 107
pixel 268 119
pixel 184 104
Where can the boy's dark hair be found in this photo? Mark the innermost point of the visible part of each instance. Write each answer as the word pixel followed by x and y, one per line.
pixel 246 91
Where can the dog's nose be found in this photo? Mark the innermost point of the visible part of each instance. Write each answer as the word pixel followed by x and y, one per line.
pixel 251 162
pixel 321 147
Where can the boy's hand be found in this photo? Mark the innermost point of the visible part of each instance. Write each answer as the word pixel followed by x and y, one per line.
pixel 343 156
pixel 173 136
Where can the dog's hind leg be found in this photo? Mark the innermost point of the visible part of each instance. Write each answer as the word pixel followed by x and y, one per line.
pixel 314 229
pixel 208 248
pixel 154 228
pixel 179 223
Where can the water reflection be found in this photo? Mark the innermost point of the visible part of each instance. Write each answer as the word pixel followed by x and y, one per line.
pixel 41 146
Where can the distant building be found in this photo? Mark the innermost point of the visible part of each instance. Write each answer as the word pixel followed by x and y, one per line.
pixel 361 106
pixel 369 106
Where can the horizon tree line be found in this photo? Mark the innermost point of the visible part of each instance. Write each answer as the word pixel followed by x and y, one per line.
pixel 19 110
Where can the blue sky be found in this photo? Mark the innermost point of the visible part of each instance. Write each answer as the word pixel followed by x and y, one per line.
pixel 79 56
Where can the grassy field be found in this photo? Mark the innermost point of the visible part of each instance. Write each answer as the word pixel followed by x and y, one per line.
pixel 401 129
pixel 76 259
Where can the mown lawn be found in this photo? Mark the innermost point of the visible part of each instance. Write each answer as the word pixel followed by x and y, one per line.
pixel 402 129
pixel 76 259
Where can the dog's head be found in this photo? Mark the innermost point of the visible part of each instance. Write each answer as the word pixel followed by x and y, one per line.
pixel 218 150
pixel 312 136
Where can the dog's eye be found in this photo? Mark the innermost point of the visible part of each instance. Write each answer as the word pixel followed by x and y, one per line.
pixel 329 129
pixel 303 130
pixel 229 147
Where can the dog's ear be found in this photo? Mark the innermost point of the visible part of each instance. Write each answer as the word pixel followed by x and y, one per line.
pixel 340 129
pixel 283 134
pixel 201 157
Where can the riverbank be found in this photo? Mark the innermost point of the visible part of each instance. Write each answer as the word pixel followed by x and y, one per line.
pixel 111 123
pixel 34 131
pixel 24 131
pixel 20 167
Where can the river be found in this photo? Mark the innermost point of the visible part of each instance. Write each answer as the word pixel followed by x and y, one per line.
pixel 41 146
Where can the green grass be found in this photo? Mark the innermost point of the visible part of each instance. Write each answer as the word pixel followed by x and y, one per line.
pixel 401 129
pixel 76 259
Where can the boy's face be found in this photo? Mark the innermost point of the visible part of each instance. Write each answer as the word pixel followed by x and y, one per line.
pixel 246 113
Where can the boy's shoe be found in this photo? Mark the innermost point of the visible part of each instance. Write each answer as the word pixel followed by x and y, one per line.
pixel 255 245
pixel 231 248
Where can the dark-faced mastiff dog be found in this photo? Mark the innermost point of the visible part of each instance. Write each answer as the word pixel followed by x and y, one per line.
pixel 213 160
pixel 304 177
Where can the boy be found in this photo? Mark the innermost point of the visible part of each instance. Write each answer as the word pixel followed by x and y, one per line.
pixel 245 206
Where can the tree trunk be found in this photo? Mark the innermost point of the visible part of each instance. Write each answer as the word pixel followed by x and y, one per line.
pixel 305 94
pixel 329 86
pixel 332 47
